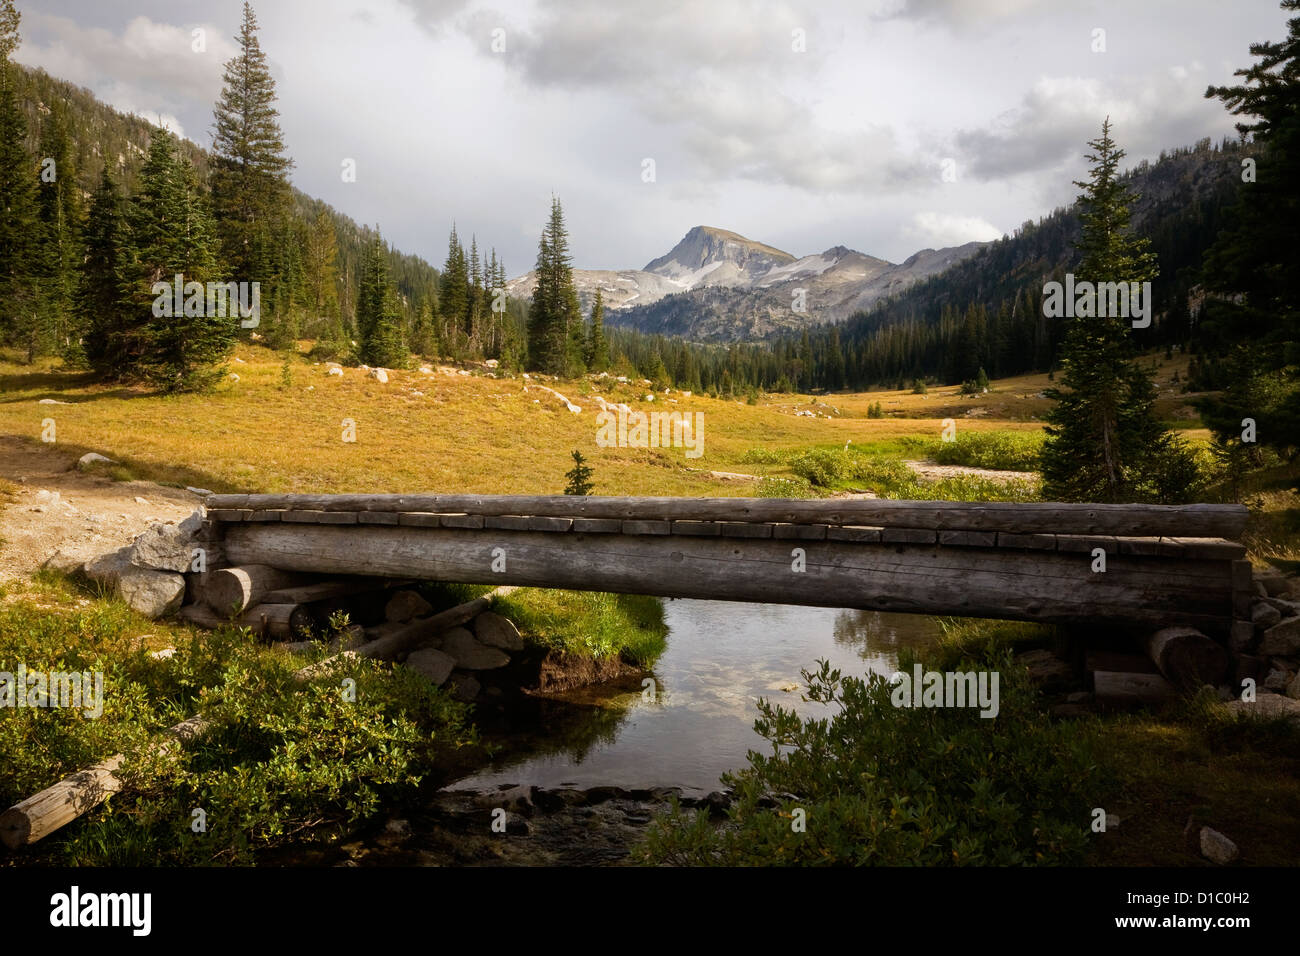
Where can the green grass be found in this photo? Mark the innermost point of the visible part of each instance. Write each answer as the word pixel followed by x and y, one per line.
pixel 589 623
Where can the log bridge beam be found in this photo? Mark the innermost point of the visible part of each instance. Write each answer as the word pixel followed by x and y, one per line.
pixel 1035 562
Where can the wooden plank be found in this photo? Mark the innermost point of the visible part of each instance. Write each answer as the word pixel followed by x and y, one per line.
pixel 1027 542
pixel 377 517
pixel 907 536
pixel 1195 520
pixel 419 519
pixel 859 533
pixel 973 582
pixel 1087 543
pixel 335 517
pixel 226 514
pixel 969 539
pixel 1212 548
pixel 264 516
pixel 647 527
pixel 1146 546
pixel 460 521
pixel 709 529
pixel 744 529
pixel 506 522
pixel 598 525
pixel 800 532
pixel 540 523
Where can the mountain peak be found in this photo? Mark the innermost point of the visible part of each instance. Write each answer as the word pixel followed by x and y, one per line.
pixel 707 255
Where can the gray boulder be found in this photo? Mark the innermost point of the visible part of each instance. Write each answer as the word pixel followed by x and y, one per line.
pixel 497 631
pixel 167 547
pixel 405 606
pixel 1282 639
pixel 433 664
pixel 470 654
pixel 152 593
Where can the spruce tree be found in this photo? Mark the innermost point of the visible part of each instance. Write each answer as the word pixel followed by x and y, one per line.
pixel 1104 443
pixel 597 347
pixel 555 311
pixel 18 318
pixel 1254 257
pixel 98 305
pixel 173 233
pixel 379 321
pixel 250 185
pixel 579 477
pixel 58 234
pixel 453 293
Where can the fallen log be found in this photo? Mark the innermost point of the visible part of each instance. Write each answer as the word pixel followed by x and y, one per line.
pixel 56 806
pixel 40 815
pixel 325 590
pixel 233 590
pixel 1187 657
pixel 282 622
pixel 1115 690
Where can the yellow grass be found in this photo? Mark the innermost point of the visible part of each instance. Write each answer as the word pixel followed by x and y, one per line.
pixel 464 433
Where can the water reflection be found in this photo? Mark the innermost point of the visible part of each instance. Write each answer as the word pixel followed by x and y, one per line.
pixel 722 657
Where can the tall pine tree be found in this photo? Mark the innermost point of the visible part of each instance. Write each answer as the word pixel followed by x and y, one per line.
pixel 555 310
pixel 1104 443
pixel 173 234
pixel 378 317
pixel 98 306
pixel 250 185
pixel 19 322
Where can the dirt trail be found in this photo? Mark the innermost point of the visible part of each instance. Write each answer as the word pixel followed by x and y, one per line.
pixel 931 471
pixel 92 514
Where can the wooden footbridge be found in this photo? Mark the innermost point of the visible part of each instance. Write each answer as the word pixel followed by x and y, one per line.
pixel 1038 562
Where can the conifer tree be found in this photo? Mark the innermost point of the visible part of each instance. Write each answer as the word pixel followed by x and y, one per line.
pixel 1255 257
pixel 173 234
pixel 250 184
pixel 1104 443
pixel 579 476
pixel 555 309
pixel 320 271
pixel 18 318
pixel 379 321
pixel 597 346
pixel 58 234
pixel 98 306
pixel 453 292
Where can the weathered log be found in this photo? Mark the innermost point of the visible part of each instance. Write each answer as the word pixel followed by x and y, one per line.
pixel 412 634
pixel 231 590
pixel 58 805
pixel 1117 690
pixel 1034 586
pixel 282 622
pixel 325 590
pixel 1197 520
pixel 1187 657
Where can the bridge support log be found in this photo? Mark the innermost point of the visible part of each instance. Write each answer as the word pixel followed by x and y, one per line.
pixel 1187 657
pixel 233 590
pixel 1045 586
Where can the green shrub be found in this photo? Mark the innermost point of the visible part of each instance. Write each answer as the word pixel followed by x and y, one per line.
pixel 880 785
pixel 1004 450
pixel 278 758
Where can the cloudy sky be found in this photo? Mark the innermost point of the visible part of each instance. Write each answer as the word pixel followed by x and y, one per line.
pixel 802 125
